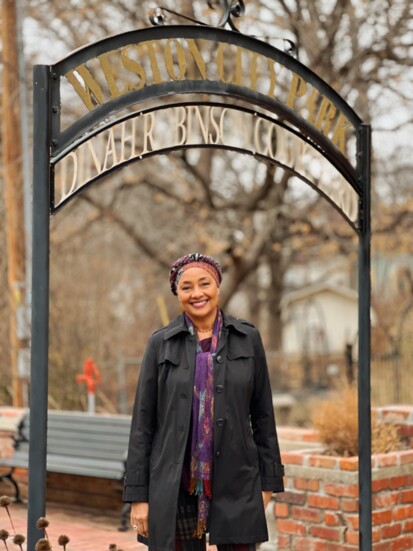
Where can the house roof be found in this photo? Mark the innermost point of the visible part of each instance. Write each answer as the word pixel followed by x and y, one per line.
pixel 318 288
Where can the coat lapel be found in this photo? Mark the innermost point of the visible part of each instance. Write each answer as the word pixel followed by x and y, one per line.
pixel 190 353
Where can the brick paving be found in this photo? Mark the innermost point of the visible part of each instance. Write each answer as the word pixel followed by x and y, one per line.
pixel 88 531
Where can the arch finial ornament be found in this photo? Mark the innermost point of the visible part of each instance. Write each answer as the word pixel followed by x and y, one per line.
pixel 230 9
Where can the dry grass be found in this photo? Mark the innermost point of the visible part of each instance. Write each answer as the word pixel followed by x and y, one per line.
pixel 385 437
pixel 336 420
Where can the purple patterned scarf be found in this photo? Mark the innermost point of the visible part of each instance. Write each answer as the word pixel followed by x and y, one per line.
pixel 202 442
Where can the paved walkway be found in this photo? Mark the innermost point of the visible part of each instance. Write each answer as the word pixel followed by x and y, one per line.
pixel 87 531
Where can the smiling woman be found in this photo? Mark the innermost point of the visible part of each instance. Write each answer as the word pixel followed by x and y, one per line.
pixel 197 285
pixel 203 452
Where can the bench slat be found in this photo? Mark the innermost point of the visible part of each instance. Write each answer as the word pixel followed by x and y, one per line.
pixel 9 424
pixel 80 443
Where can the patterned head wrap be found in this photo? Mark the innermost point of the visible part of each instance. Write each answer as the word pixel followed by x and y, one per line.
pixel 194 260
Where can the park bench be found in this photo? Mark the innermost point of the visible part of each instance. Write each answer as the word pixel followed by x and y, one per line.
pixel 86 445
pixel 10 430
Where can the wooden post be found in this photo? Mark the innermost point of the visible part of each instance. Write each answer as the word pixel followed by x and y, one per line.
pixel 13 189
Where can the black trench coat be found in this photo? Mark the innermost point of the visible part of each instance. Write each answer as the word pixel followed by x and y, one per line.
pixel 246 452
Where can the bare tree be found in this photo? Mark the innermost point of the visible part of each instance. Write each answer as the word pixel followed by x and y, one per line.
pixel 112 246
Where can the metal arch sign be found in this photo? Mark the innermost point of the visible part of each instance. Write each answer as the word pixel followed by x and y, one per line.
pixel 123 99
pixel 195 125
pixel 155 62
pixel 111 77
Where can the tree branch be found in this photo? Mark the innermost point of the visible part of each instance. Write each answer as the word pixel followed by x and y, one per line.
pixel 150 250
pixel 243 266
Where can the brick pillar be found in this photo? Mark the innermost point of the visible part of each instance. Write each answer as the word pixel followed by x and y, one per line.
pixel 319 509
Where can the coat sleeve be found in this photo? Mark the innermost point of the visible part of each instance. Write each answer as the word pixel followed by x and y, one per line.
pixel 136 485
pixel 263 424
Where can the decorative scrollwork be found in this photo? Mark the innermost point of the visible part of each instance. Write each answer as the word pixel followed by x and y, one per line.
pixel 231 8
pixel 290 47
pixel 157 17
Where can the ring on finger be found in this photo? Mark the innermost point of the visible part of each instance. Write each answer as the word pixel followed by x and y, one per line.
pixel 134 527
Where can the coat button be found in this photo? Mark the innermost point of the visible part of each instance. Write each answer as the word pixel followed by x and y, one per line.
pixel 219 359
pixel 217 454
pixel 220 422
pixel 219 388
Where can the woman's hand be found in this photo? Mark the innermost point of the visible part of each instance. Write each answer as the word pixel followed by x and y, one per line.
pixel 266 496
pixel 139 518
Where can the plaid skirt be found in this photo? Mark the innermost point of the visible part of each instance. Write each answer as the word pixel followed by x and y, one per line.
pixel 186 515
pixel 186 521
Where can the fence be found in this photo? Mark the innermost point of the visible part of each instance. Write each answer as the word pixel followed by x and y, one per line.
pixel 392 380
pixel 391 375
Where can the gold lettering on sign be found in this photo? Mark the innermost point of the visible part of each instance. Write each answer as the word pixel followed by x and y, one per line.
pixel 325 116
pixel 89 90
pixel 96 161
pixel 128 139
pixel 188 124
pixel 197 57
pixel 254 71
pixel 70 159
pixel 156 74
pixel 221 64
pixel 297 89
pixel 135 66
pixel 339 137
pixel 169 61
pixel 111 76
pixel 221 125
pixel 180 137
pixel 312 105
pixel 228 59
pixel 273 78
pixel 110 152
pixel 258 145
pixel 238 67
pixel 148 127
pixel 215 136
pixel 203 123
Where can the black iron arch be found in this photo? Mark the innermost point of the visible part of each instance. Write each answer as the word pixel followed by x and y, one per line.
pixel 53 141
pixel 183 85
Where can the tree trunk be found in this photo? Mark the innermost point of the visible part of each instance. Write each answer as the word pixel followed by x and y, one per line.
pixel 274 299
pixel 13 188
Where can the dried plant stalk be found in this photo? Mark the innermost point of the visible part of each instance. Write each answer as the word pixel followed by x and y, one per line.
pixel 3 537
pixel 336 420
pixel 5 502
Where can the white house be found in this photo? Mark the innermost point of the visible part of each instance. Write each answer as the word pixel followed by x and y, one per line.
pixel 320 318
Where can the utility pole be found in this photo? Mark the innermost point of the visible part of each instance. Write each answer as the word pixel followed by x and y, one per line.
pixel 13 195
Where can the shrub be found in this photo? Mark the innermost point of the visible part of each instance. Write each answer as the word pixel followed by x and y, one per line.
pixel 336 420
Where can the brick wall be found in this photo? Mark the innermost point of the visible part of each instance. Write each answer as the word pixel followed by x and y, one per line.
pixel 319 509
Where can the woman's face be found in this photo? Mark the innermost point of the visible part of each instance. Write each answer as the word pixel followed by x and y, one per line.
pixel 198 294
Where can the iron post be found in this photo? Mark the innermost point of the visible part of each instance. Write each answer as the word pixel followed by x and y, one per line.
pixel 364 398
pixel 40 304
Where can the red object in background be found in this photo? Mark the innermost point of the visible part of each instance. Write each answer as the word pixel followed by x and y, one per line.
pixel 91 375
